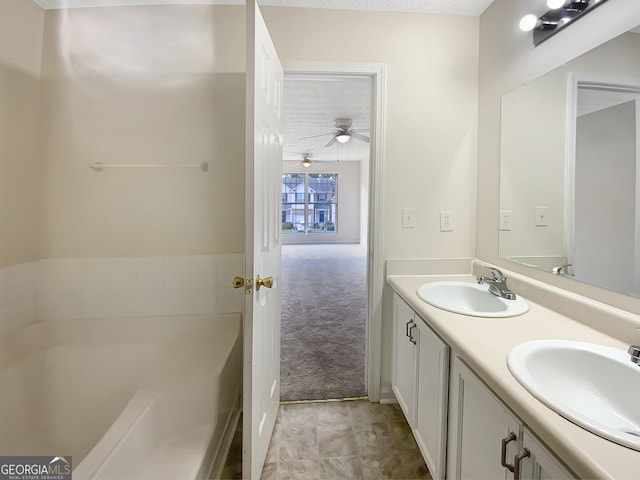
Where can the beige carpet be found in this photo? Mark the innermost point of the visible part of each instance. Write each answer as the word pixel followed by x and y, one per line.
pixel 323 322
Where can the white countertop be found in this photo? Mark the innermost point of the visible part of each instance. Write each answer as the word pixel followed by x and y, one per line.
pixel 483 343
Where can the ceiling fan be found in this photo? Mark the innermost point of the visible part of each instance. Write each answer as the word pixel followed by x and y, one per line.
pixel 307 161
pixel 343 133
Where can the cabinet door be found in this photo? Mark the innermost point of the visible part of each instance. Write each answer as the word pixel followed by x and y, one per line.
pixel 431 404
pixel 403 381
pixel 541 464
pixel 478 425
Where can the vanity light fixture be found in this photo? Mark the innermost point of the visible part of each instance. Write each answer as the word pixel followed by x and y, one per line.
pixel 560 14
pixel 554 4
pixel 529 22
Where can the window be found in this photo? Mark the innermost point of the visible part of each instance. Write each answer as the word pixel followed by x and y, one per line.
pixel 309 203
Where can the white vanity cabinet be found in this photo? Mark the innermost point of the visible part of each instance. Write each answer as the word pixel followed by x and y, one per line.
pixel 484 435
pixel 486 440
pixel 403 381
pixel 421 383
pixel 541 464
pixel 432 399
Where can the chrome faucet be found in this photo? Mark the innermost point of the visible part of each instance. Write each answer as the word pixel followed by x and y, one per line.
pixel 558 270
pixel 497 285
pixel 634 351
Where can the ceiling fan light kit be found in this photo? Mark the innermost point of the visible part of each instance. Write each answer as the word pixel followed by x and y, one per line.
pixel 343 137
pixel 343 133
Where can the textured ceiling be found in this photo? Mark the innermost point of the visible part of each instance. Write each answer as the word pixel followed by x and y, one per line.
pixel 311 104
pixel 590 101
pixel 445 7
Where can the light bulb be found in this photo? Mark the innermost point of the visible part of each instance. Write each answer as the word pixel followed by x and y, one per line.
pixel 343 138
pixel 528 22
pixel 306 163
pixel 555 4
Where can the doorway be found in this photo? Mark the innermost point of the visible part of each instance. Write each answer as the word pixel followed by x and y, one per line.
pixel 607 126
pixel 325 201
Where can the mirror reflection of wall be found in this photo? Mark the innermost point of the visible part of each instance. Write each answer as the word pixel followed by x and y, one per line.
pixel 532 172
pixel 554 211
pixel 604 208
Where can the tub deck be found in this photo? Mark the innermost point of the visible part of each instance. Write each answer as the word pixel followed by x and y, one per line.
pixel 126 398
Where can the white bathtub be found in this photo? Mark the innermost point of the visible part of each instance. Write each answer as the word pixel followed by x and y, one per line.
pixel 144 398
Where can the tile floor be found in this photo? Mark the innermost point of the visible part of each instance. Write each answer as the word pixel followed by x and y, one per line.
pixel 339 440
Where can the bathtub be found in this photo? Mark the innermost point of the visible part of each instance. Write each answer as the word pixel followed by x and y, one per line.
pixel 144 398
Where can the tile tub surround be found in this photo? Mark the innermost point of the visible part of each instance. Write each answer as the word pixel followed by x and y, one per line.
pixel 17 296
pixel 95 288
pixel 343 440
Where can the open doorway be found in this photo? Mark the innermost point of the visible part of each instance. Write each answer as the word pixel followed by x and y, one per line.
pixel 325 210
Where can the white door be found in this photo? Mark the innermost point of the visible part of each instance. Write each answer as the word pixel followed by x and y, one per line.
pixel 261 385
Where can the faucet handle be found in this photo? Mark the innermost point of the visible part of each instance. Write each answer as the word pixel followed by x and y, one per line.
pixel 634 351
pixel 497 274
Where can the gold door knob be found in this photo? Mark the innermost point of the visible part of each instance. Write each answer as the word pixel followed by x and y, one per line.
pixel 238 282
pixel 264 282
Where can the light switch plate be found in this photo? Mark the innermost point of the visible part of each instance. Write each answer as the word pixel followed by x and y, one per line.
pixel 541 217
pixel 409 217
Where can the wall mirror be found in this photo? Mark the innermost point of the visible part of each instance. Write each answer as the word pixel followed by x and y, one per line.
pixel 570 169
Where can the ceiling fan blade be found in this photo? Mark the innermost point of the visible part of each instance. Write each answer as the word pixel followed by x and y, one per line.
pixel 331 142
pixel 359 136
pixel 316 136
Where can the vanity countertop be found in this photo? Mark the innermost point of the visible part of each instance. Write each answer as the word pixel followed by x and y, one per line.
pixel 483 343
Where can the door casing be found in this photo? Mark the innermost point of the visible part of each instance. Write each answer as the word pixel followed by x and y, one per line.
pixel 375 259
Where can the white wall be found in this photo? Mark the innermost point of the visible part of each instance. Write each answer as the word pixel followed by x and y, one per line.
pixel 430 137
pixel 431 123
pixel 115 91
pixel 605 197
pixel 21 24
pixel 365 171
pixel 532 171
pixel 508 59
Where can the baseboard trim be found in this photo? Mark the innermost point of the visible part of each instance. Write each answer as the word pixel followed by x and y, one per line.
pixel 327 400
pixel 387 396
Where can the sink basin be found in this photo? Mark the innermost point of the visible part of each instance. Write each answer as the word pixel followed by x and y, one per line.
pixel 594 386
pixel 470 299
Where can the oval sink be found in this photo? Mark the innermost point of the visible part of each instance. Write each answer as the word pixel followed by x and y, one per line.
pixel 594 386
pixel 470 299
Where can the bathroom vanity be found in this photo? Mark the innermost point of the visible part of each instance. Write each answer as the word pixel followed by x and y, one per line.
pixel 471 418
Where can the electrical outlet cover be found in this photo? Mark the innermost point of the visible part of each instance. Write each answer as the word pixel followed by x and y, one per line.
pixel 505 220
pixel 446 221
